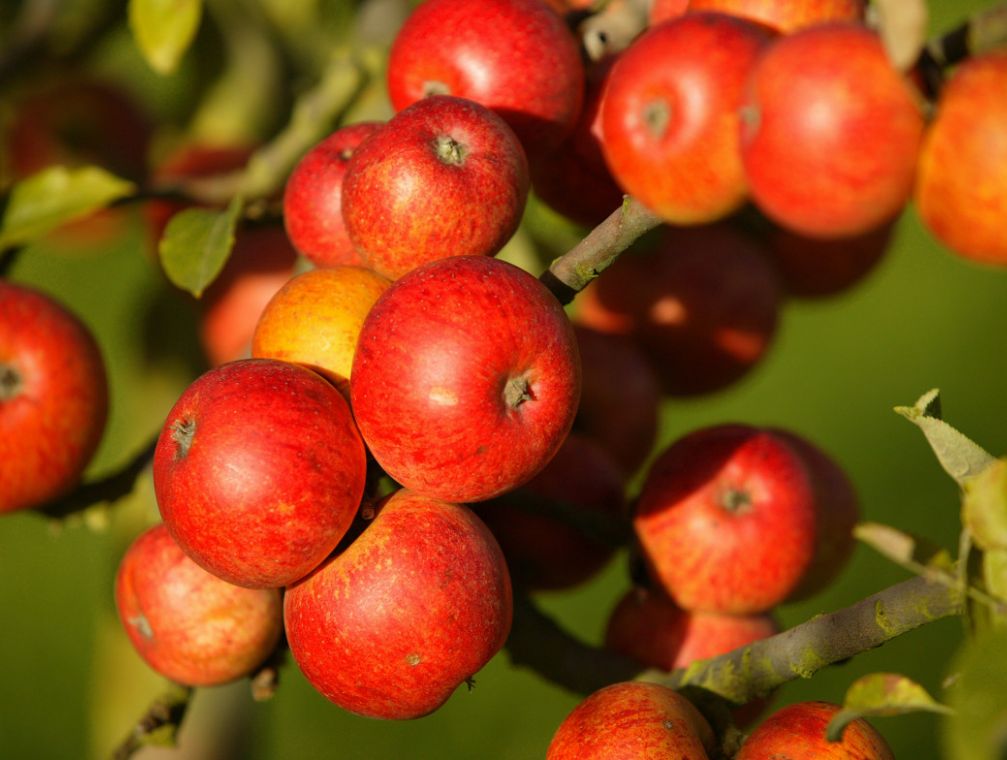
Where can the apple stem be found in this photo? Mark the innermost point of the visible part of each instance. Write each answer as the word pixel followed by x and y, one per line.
pixel 434 87
pixel 10 382
pixel 449 150
pixel 517 391
pixel 182 433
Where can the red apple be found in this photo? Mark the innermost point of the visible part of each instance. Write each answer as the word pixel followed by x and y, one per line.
pixel 514 56
pixel 547 552
pixel 726 519
pixel 662 10
pixel 702 304
pixel 445 177
pixel 632 721
pixel 53 398
pixel 830 132
pixel 786 15
pixel 620 397
pixel 670 115
pixel 961 191
pixel 312 198
pixel 466 378
pixel 415 606
pixel 187 624
pixel 258 471
pixel 797 732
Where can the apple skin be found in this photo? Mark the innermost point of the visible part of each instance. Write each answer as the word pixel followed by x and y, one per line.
pixel 726 520
pixel 830 132
pixel 188 624
pixel 797 732
pixel 516 57
pixel 961 189
pixel 415 606
pixel 786 15
pixel 670 115
pixel 312 198
pixel 633 721
pixel 466 378
pixel 315 320
pixel 662 10
pixel 702 304
pixel 53 398
pixel 444 177
pixel 259 471
pixel 545 552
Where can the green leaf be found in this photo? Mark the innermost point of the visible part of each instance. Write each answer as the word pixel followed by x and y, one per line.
pixel 164 29
pixel 196 245
pixel 881 694
pixel 984 506
pixel 995 572
pixel 960 457
pixel 53 196
pixel 978 728
pixel 905 549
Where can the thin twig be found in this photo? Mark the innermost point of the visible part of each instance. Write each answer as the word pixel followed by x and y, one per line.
pixel 159 724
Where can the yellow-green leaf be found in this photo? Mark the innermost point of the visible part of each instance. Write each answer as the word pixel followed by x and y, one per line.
pixel 54 196
pixel 902 25
pixel 978 729
pixel 196 245
pixel 881 694
pixel 164 29
pixel 912 552
pixel 984 506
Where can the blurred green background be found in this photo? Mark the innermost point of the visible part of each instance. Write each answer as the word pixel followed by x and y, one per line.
pixel 71 686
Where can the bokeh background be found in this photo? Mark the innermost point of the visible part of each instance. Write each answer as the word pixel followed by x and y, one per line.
pixel 70 686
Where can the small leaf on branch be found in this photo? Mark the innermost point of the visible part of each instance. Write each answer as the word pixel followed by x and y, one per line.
pixel 960 457
pixel 164 29
pixel 902 25
pixel 53 196
pixel 882 694
pixel 196 245
pixel 984 506
pixel 978 728
pixel 905 549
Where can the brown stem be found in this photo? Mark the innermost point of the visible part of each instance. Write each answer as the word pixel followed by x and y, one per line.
pixel 159 724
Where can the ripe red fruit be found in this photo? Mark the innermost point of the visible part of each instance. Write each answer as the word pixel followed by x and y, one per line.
pixel 445 177
pixel 187 624
pixel 466 378
pixel 702 305
pixel 797 732
pixel 312 199
pixel 515 57
pixel 670 115
pixel 726 519
pixel 630 721
pixel 830 132
pixel 258 471
pixel 416 605
pixel 662 10
pixel 961 189
pixel 786 15
pixel 547 552
pixel 53 398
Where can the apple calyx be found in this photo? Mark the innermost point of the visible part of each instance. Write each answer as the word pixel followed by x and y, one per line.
pixel 657 115
pixel 736 501
pixel 10 382
pixel 516 391
pixel 433 87
pixel 182 433
pixel 449 150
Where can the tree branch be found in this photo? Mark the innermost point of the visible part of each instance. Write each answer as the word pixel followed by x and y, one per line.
pixel 159 724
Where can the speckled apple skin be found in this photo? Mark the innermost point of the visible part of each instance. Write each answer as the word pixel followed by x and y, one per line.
pixel 273 475
pixel 797 732
pixel 430 373
pixel 403 205
pixel 416 605
pixel 187 624
pixel 53 420
pixel 516 57
pixel 714 558
pixel 633 721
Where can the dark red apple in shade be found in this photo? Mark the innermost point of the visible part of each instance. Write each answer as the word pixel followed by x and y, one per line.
pixel 961 190
pixel 726 519
pixel 631 721
pixel 466 378
pixel 702 304
pixel 543 550
pixel 53 397
pixel 797 732
pixel 670 115
pixel 830 132
pixel 786 15
pixel 620 397
pixel 259 471
pixel 516 57
pixel 445 177
pixel 414 607
pixel 188 624
pixel 312 198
